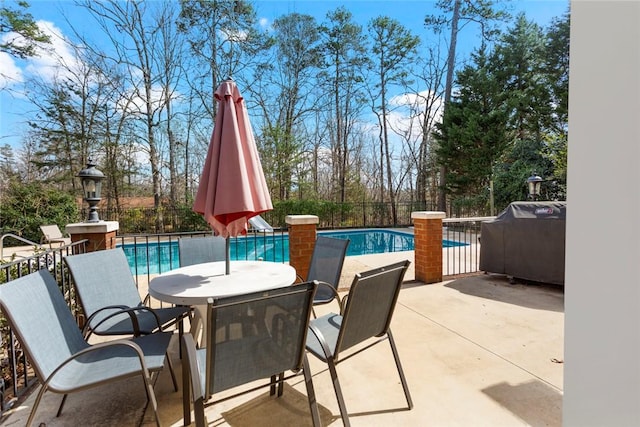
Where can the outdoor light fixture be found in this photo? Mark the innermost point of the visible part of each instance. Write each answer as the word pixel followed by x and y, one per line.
pixel 534 182
pixel 91 187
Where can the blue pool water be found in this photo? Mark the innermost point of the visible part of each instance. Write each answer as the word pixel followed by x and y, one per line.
pixel 163 256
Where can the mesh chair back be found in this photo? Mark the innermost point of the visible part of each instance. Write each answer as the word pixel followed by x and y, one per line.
pixel 197 250
pixel 42 321
pixel 255 336
pixel 326 263
pixel 370 305
pixel 103 278
pixel 51 232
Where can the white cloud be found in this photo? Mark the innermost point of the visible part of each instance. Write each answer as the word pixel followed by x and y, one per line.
pixel 409 111
pixel 53 60
pixel 46 64
pixel 416 99
pixel 10 73
pixel 264 22
pixel 135 99
pixel 234 36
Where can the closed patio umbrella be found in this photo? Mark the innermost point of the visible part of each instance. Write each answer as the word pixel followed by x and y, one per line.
pixel 232 185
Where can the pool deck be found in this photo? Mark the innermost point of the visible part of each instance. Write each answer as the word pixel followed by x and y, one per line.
pixel 476 350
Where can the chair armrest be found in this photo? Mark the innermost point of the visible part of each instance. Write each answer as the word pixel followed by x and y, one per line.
pixel 120 342
pixel 121 310
pixel 320 337
pixel 343 303
pixel 333 290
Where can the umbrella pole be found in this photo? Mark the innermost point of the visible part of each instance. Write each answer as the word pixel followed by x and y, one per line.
pixel 227 263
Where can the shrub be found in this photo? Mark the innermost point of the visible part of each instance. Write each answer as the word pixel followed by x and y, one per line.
pixel 26 206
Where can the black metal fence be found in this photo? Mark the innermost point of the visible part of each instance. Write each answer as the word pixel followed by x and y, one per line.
pixel 461 258
pixel 17 376
pixel 151 254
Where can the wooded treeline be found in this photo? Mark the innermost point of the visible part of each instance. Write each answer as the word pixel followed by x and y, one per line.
pixel 340 112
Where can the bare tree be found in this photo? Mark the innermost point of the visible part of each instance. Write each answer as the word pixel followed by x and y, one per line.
pixel 222 35
pixel 285 91
pixel 70 118
pixel 135 40
pixel 170 72
pixel 424 103
pixel 344 52
pixel 393 49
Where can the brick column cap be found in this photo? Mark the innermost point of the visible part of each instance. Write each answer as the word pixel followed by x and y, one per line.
pixel 92 227
pixel 428 215
pixel 301 219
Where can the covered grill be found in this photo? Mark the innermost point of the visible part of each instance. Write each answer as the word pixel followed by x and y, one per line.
pixel 526 241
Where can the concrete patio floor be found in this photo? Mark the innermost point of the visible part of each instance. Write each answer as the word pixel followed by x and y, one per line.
pixel 476 351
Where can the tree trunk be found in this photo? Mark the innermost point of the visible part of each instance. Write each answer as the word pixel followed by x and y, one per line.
pixel 451 62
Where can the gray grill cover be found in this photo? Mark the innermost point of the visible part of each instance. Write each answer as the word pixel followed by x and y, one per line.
pixel 526 241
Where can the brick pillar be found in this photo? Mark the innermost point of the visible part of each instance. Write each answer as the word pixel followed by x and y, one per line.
pixel 428 245
pixel 302 239
pixel 101 235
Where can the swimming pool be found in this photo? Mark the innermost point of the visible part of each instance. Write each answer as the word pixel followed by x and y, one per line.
pixel 160 257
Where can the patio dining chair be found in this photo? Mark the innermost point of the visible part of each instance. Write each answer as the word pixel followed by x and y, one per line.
pixel 110 299
pixel 62 359
pixel 366 314
pixel 325 267
pixel 250 337
pixel 197 250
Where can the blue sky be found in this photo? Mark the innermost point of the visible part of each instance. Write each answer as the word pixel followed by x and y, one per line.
pixel 59 15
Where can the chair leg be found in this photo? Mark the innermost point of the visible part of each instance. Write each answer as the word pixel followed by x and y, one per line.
pixel 338 391
pixel 180 333
pixel 272 386
pixel 151 397
pixel 198 411
pixel 186 392
pixel 280 384
pixel 32 414
pixel 64 399
pixel 171 371
pixel 396 356
pixel 276 379
pixel 311 395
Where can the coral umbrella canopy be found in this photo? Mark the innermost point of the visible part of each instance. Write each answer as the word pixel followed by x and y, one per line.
pixel 232 186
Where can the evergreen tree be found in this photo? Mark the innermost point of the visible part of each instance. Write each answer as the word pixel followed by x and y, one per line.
pixel 456 14
pixel 27 34
pixel 520 63
pixel 508 119
pixel 473 133
pixel 557 72
pixel 556 68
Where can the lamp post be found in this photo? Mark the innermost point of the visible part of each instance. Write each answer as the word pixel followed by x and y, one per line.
pixel 91 179
pixel 534 182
